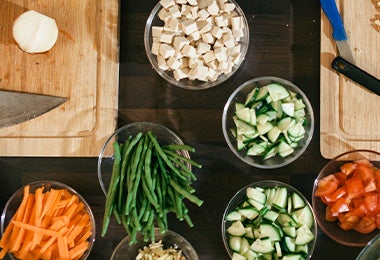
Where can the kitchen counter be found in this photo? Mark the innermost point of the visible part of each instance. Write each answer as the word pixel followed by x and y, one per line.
pixel 285 42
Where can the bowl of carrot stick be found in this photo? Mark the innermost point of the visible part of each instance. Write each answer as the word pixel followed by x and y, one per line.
pixel 47 220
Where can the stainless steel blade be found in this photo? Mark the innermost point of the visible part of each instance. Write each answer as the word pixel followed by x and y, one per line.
pixel 16 107
pixel 345 51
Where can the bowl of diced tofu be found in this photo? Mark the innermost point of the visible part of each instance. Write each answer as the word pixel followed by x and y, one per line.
pixel 268 122
pixel 196 44
pixel 269 220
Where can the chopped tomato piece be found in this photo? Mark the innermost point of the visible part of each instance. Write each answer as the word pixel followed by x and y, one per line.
pixel 341 177
pixel 327 185
pixel 364 162
pixel 378 221
pixel 355 187
pixel 338 193
pixel 371 186
pixel 348 168
pixel 365 225
pixel 360 211
pixel 347 220
pixel 340 206
pixel 364 172
pixel 377 179
pixel 329 215
pixel 371 202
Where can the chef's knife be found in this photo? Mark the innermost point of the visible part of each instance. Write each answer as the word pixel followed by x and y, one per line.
pixel 17 107
pixel 339 34
pixel 356 74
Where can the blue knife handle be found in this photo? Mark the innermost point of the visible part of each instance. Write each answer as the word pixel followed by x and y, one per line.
pixel 332 13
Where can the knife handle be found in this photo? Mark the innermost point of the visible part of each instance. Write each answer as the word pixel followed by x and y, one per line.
pixel 356 74
pixel 332 13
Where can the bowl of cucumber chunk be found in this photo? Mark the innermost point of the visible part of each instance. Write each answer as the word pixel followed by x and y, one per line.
pixel 268 122
pixel 269 220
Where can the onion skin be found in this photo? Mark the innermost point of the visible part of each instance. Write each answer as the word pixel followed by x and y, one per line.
pixel 35 32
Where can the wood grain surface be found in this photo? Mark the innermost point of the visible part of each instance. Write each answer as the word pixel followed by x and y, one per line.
pixel 349 112
pixel 82 66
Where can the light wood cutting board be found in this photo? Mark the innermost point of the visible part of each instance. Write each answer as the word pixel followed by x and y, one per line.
pixel 82 66
pixel 350 114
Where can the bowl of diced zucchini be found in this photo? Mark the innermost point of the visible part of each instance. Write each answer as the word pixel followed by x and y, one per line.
pixel 196 44
pixel 269 220
pixel 268 122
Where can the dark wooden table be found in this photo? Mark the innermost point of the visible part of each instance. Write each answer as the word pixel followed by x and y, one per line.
pixel 285 37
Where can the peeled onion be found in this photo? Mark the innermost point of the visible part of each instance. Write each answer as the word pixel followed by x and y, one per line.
pixel 35 32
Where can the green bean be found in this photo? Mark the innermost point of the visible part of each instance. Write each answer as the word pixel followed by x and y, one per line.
pixel 112 188
pixel 177 147
pixel 185 193
pixel 182 158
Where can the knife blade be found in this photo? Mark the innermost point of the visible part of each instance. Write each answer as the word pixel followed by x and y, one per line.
pixel 339 33
pixel 17 107
pixel 356 74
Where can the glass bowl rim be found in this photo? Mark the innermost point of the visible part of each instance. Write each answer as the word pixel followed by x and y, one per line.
pixel 272 79
pixel 203 85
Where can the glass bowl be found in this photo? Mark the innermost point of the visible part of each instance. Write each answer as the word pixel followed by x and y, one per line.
pixel 125 251
pixel 371 250
pixel 15 200
pixel 241 196
pixel 106 157
pixel 154 21
pixel 239 96
pixel 331 229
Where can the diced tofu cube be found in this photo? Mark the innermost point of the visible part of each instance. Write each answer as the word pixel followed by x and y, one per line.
pixel 166 50
pixel 193 62
pixel 236 22
pixel 203 47
pixel 186 11
pixel 194 12
pixel 172 25
pixel 157 31
pixel 238 33
pixel 236 58
pixel 192 2
pixel 185 62
pixel 179 42
pixel 217 32
pixel 167 37
pixel 189 26
pixel 167 3
pixel 213 8
pixel 163 14
pixel 195 36
pixel 203 14
pixel 178 55
pixel 201 23
pixel 202 4
pixel 206 28
pixel 155 48
pixel 229 7
pixel 180 73
pixel 212 74
pixel 223 66
pixel 173 63
pixel 189 51
pixel 181 2
pixel 213 64
pixel 218 43
pixel 161 62
pixel 235 50
pixel 220 53
pixel 200 72
pixel 208 38
pixel 228 40
pixel 175 12
pixel 220 21
pixel 209 57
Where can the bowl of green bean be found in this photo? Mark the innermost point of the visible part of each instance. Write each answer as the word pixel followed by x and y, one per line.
pixel 146 173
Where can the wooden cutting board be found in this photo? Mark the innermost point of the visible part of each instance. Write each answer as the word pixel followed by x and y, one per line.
pixel 82 66
pixel 350 114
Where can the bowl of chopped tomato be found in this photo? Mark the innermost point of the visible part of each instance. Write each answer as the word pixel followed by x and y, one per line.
pixel 346 197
